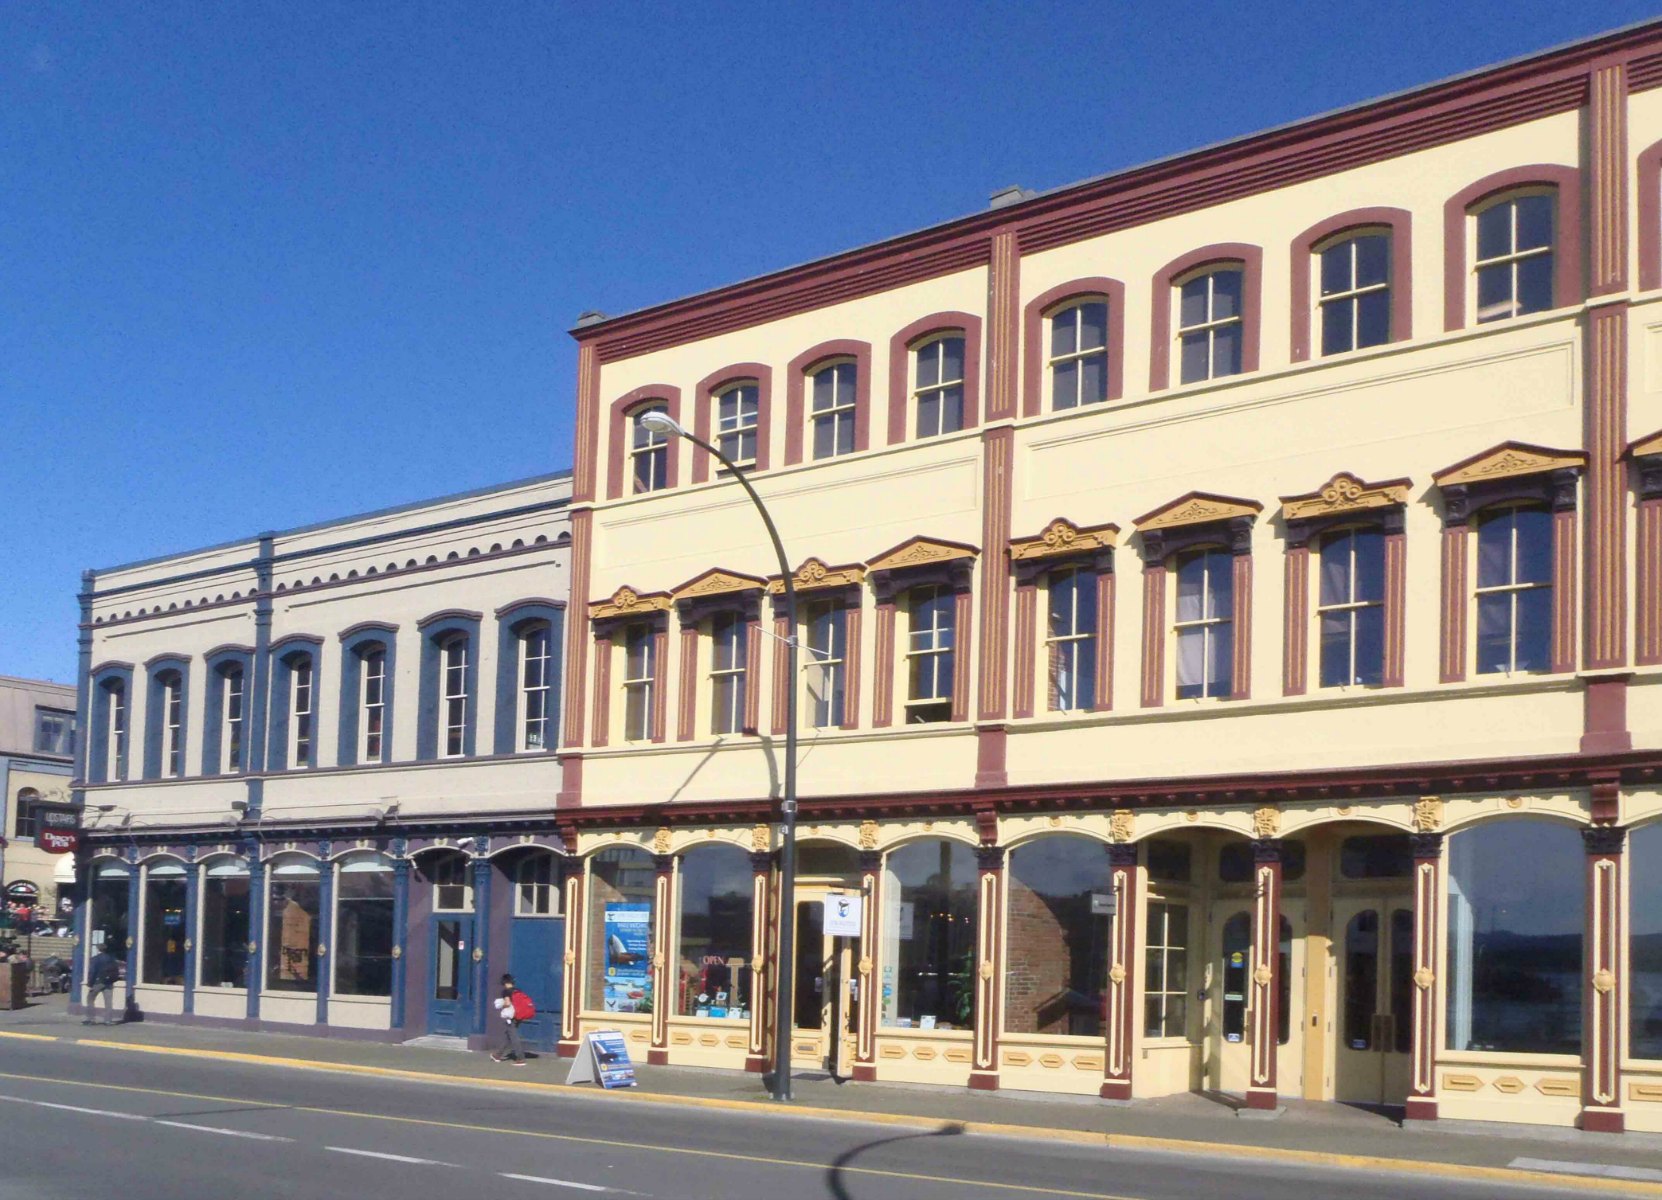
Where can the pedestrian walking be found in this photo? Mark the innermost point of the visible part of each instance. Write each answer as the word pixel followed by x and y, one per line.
pixel 103 973
pixel 515 1007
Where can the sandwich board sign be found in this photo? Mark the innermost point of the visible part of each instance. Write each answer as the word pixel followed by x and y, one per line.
pixel 603 1058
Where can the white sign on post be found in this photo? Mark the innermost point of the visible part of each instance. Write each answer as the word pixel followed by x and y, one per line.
pixel 842 915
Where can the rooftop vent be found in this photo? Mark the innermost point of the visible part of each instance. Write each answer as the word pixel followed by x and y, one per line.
pixel 1014 194
pixel 591 317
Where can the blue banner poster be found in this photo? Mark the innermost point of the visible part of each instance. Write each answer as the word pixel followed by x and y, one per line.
pixel 628 963
pixel 611 1059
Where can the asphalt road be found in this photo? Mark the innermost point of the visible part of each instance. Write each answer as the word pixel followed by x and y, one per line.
pixel 79 1121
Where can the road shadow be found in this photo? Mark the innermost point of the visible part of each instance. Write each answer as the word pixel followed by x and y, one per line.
pixel 836 1174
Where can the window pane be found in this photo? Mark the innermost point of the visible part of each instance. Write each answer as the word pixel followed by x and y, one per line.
pixel 1494 231
pixel 1220 667
pixel 929 924
pixel 1373 258
pixel 952 358
pixel 1534 222
pixel 223 961
pixel 929 414
pixel 1534 529
pixel 1535 284
pixel 163 957
pixel 845 433
pixel 1335 265
pixel 291 935
pixel 1335 569
pixel 1063 335
pixel 1191 305
pixel 1370 646
pixel 825 437
pixel 1494 292
pixel 1226 294
pixel 1226 351
pixel 1220 584
pixel 1093 379
pixel 1337 332
pixel 714 967
pixel 1534 637
pixel 1515 937
pixel 364 932
pixel 1191 587
pixel 1494 632
pixel 1195 354
pixel 1361 978
pixel 1494 550
pixel 929 365
pixel 825 383
pixel 1059 954
pixel 621 884
pixel 1064 385
pixel 1335 649
pixel 1373 319
pixel 1093 326
pixel 1191 660
pixel 952 409
pixel 1370 564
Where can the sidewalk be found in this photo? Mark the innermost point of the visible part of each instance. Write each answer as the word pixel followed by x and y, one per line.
pixel 1319 1133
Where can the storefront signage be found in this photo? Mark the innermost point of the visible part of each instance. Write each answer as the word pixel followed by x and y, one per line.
pixel 604 1059
pixel 22 892
pixel 1102 904
pixel 58 828
pixel 842 915
pixel 628 966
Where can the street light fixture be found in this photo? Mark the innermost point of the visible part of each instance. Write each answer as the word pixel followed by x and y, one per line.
pixel 661 422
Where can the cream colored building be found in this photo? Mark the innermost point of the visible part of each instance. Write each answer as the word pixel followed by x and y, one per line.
pixel 37 738
pixel 320 769
pixel 1234 595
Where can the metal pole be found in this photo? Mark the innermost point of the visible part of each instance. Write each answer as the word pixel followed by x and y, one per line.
pixel 784 964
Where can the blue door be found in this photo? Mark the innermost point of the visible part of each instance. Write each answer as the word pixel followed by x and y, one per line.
pixel 536 961
pixel 449 1003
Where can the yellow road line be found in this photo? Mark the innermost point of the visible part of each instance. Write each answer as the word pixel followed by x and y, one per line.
pixel 1117 1141
pixel 31 1037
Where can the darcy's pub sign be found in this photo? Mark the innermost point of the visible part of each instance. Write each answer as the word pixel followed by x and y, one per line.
pixel 58 828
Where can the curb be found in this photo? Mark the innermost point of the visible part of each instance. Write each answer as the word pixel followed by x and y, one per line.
pixel 1112 1141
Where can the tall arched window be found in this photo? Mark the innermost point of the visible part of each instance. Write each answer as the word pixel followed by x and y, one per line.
pixel 225 929
pixel 1514 261
pixel 1210 323
pixel 162 957
pixel 1078 358
pixel 1355 299
pixel 364 933
pixel 928 935
pixel 833 406
pixel 1059 937
pixel 648 452
pixel 293 914
pixel 938 387
pixel 714 973
pixel 738 413
pixel 23 813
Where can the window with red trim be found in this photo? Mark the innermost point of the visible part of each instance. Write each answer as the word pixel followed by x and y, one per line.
pixel 1078 353
pixel 1211 323
pixel 1512 264
pixel 833 408
pixel 648 452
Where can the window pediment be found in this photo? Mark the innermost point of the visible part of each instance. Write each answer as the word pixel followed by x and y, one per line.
pixel 1646 447
pixel 1509 460
pixel 1342 495
pixel 1061 538
pixel 627 602
pixel 1197 508
pixel 921 552
pixel 716 582
pixel 813 575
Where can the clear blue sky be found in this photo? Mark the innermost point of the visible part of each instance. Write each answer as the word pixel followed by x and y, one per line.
pixel 263 265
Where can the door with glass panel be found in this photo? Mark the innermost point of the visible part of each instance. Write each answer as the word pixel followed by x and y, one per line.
pixel 1373 945
pixel 822 1025
pixel 450 950
pixel 1229 995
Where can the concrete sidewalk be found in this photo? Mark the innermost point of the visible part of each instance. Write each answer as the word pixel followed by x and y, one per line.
pixel 1333 1134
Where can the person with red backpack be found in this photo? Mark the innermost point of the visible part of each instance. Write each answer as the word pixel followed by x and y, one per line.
pixel 516 1008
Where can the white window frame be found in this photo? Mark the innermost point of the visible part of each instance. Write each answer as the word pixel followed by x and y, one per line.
pixel 844 406
pixel 1084 643
pixel 1167 993
pixel 731 431
pixel 173 727
pixel 1512 590
pixel 1204 622
pixel 826 666
pixel 730 684
pixel 464 880
pixel 372 704
pixel 532 733
pixel 1349 608
pixel 454 702
pixel 1211 326
pixel 233 719
pixel 1352 295
pixel 1514 256
pixel 652 445
pixel 302 746
pixel 931 642
pixel 1072 308
pixel 936 346
pixel 115 750
pixel 644 686
pixel 537 886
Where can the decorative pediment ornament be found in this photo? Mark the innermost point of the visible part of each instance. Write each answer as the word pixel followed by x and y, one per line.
pixel 868 835
pixel 1261 976
pixel 1116 974
pixel 1509 460
pixel 1424 978
pixel 986 971
pixel 1061 537
pixel 814 575
pixel 761 838
pixel 1645 447
pixel 1603 981
pixel 716 582
pixel 1197 508
pixel 1428 814
pixel 1266 822
pixel 627 602
pixel 921 552
pixel 1344 493
pixel 660 841
pixel 1119 824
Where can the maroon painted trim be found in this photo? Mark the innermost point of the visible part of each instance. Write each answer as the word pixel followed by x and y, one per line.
pixel 1648 583
pixel 963 616
pixel 796 423
pixel 577 637
pixel 882 698
pixel 991 747
pixel 1251 260
pixel 1607 186
pixel 585 439
pixel 1024 684
pixel 687 700
pixel 997 469
pixel 1604 716
pixel 1400 224
pixel 1648 180
pixel 1003 325
pixel 1396 607
pixel 1563 590
pixel 900 367
pixel 660 693
pixel 1453 624
pixel 1457 265
pixel 1034 357
pixel 1604 411
pixel 1154 635
pixel 1295 630
pixel 618 426
pixel 704 410
pixel 851 666
pixel 1104 642
pixel 752 674
pixel 602 688
pixel 781 671
pixel 1242 583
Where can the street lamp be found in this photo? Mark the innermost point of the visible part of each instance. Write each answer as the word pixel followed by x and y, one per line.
pixel 659 421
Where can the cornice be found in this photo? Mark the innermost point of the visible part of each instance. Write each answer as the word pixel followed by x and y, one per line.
pixel 1197 508
pixel 921 552
pixel 1061 538
pixel 1509 460
pixel 813 576
pixel 628 602
pixel 1345 493
pixel 716 582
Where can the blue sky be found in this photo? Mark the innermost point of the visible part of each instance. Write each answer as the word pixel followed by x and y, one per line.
pixel 263 265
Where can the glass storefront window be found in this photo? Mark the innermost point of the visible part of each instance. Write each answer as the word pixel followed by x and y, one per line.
pixel 1058 893
pixel 1166 978
pixel 224 925
pixel 1644 853
pixel 363 926
pixel 291 926
pixel 163 953
pixel 929 913
pixel 714 960
pixel 110 899
pixel 1517 901
pixel 1377 856
pixel 621 882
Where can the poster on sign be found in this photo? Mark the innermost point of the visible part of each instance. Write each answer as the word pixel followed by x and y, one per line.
pixel 628 961
pixel 603 1059
pixel 842 915
pixel 57 828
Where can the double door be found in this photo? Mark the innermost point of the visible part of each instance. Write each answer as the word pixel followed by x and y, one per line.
pixel 823 994
pixel 1373 945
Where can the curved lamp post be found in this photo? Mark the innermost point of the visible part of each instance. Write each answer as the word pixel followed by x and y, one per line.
pixel 662 422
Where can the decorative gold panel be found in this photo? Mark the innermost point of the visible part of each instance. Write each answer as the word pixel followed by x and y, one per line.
pixel 1507 461
pixel 956 1055
pixel 1558 1087
pixel 920 551
pixel 1017 1058
pixel 1462 1083
pixel 627 602
pixel 1062 537
pixel 716 582
pixel 1197 508
pixel 814 575
pixel 1510 1084
pixel 1344 493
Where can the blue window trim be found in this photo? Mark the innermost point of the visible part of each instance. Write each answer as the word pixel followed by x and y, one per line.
pixel 354 644
pixel 285 655
pixel 511 623
pixel 156 673
pixel 435 629
pixel 98 744
pixel 213 722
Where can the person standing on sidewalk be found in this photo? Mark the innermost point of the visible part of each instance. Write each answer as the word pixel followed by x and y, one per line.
pixel 513 1005
pixel 103 973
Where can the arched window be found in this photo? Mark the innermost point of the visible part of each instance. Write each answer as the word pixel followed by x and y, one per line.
pixel 1210 323
pixel 938 385
pixel 109 747
pixel 1513 264
pixel 1059 937
pixel 225 728
pixel 1355 295
pixel 1512 245
pixel 225 927
pixel 164 722
pixel 449 684
pixel 293 912
pixel 833 407
pixel 621 886
pixel 294 703
pixel 1350 606
pixel 714 973
pixel 929 924
pixel 233 718
pixel 1514 589
pixel 24 820
pixel 364 932
pixel 1078 356
pixel 738 415
pixel 162 960
pixel 648 452
pixel 1205 623
pixel 1515 937
pixel 111 903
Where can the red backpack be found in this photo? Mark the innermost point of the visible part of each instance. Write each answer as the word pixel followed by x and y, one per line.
pixel 524 1009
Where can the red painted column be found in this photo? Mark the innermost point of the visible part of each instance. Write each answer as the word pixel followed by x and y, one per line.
pixel 1104 634
pixel 602 688
pixel 1295 625
pixel 989 967
pixel 660 693
pixel 763 950
pixel 882 698
pixel 687 693
pixel 851 669
pixel 663 978
pixel 1428 904
pixel 1396 598
pixel 1024 685
pixel 1604 1020
pixel 1123 996
pixel 1240 538
pixel 1564 589
pixel 781 669
pixel 752 674
pixel 1649 566
pixel 963 608
pixel 1154 625
pixel 998 468
pixel 1266 967
pixel 867 1012
pixel 1452 656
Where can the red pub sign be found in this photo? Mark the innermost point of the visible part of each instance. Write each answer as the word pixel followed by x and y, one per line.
pixel 57 828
